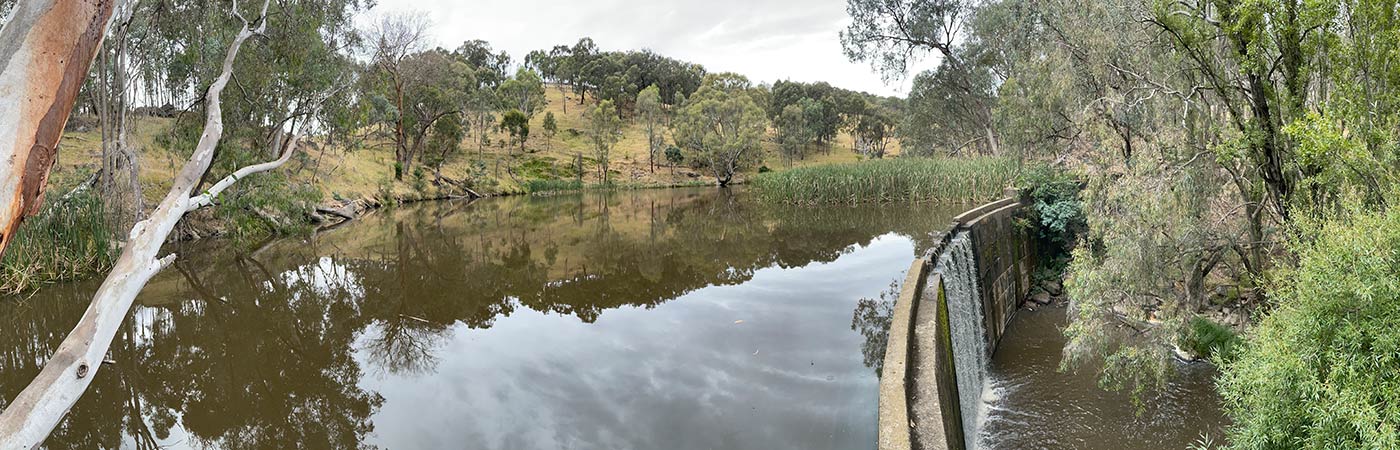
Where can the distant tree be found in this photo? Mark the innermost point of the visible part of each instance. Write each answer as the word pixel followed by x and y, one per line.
pixel 673 157
pixel 580 57
pixel 517 125
pixel 524 93
pixel 395 39
pixel 722 125
pixel 649 111
pixel 793 132
pixel 605 129
pixel 444 140
pixel 872 134
pixel 480 106
pixel 551 127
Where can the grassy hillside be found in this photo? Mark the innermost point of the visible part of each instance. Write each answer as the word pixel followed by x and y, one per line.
pixel 367 172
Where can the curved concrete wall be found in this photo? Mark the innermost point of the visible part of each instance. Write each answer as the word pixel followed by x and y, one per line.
pixel 919 398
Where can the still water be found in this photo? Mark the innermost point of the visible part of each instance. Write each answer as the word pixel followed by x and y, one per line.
pixel 677 319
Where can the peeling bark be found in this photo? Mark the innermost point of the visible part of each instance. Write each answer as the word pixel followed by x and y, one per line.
pixel 45 51
pixel 34 413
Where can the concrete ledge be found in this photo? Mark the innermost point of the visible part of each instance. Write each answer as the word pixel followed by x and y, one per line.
pixel 919 398
pixel 895 426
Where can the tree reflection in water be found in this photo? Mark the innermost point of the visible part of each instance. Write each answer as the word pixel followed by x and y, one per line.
pixel 260 349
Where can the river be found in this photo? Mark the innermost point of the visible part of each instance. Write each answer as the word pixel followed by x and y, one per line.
pixel 678 319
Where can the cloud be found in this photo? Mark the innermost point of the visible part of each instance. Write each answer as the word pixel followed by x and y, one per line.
pixel 766 40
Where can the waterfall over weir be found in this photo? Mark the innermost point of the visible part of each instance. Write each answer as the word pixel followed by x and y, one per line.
pixel 952 311
pixel 967 328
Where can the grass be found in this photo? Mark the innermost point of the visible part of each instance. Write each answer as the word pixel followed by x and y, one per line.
pixel 890 180
pixel 66 241
pixel 1206 338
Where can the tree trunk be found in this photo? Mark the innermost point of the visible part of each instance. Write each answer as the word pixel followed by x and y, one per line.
pixel 45 51
pixel 34 413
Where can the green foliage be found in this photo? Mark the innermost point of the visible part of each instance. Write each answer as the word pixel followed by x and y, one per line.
pixel 517 124
pixel 1320 371
pixel 523 94
pixel 1206 338
pixel 67 240
pixel 267 205
pixel 1056 210
pixel 794 131
pixel 650 113
pixel 721 126
pixel 890 180
pixel 605 129
pixel 550 125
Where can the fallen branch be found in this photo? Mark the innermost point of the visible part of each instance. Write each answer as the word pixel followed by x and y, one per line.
pixel 34 413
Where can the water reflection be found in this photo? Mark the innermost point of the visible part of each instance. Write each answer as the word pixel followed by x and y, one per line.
pixel 597 321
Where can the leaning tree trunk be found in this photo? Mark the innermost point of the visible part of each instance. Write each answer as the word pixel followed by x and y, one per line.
pixel 45 51
pixel 34 413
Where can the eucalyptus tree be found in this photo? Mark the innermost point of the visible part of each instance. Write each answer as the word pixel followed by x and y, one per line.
pixel 30 129
pixel 440 84
pixel 67 373
pixel 517 125
pixel 721 125
pixel 523 93
pixel 550 127
pixel 891 34
pixel 873 132
pixel 395 39
pixel 604 130
pixel 649 111
pixel 794 132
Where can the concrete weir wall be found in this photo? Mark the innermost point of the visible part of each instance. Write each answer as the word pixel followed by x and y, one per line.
pixel 921 395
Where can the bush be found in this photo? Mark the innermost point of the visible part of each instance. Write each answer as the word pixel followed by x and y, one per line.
pixel 1323 369
pixel 1206 338
pixel 1056 211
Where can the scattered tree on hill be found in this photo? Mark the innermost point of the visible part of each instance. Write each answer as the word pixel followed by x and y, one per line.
pixel 551 127
pixel 722 125
pixel 396 38
pixel 604 130
pixel 517 125
pixel 523 93
pixel 436 89
pixel 649 111
pixel 444 140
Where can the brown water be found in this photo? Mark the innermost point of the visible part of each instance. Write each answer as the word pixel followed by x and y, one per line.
pixel 1032 405
pixel 676 319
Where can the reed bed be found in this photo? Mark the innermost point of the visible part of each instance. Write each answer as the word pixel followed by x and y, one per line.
pixel 69 239
pixel 890 180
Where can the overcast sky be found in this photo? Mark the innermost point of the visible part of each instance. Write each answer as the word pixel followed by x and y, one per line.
pixel 766 40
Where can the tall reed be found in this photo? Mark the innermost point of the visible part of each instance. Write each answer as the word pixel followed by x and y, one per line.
pixel 890 180
pixel 69 239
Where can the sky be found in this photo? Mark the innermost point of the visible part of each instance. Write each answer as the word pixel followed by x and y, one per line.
pixel 766 40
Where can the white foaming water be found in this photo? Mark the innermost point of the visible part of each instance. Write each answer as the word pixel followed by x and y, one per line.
pixel 968 332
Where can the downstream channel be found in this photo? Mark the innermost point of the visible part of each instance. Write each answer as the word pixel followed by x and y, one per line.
pixel 678 319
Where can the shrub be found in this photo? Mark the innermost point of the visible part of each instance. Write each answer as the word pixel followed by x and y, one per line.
pixel 1206 338
pixel 1323 369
